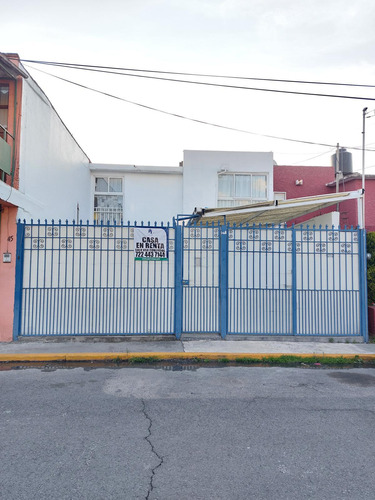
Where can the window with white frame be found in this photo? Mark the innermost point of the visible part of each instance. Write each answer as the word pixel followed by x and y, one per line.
pixel 241 189
pixel 108 199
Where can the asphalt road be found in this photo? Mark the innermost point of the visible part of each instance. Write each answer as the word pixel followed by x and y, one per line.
pixel 206 433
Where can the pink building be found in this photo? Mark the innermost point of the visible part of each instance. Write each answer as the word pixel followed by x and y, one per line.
pixel 348 209
pixel 11 77
pixel 298 182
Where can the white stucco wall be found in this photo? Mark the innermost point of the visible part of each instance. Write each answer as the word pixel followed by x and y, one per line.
pixel 330 219
pixel 201 168
pixel 160 193
pixel 152 197
pixel 54 171
pixel 150 193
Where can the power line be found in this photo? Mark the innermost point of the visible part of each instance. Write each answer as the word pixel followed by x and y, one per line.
pixel 203 75
pixel 331 150
pixel 209 84
pixel 203 122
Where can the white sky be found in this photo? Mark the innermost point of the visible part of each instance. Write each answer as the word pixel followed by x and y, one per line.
pixel 320 40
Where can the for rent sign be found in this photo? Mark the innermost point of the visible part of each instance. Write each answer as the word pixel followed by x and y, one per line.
pixel 150 243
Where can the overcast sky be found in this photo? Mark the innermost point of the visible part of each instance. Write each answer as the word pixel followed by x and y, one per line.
pixel 320 40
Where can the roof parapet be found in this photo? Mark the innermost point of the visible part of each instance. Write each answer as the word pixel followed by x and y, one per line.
pixel 8 69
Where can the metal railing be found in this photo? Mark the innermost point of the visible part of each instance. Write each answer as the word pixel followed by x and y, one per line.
pixel 107 215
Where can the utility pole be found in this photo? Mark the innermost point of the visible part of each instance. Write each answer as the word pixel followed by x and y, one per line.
pixel 363 166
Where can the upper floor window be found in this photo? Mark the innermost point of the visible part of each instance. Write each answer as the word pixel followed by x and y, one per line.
pixel 108 199
pixel 4 106
pixel 241 189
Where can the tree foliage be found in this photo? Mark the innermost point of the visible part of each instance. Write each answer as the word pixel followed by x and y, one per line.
pixel 371 268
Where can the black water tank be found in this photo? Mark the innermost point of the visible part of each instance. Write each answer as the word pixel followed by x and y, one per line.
pixel 346 163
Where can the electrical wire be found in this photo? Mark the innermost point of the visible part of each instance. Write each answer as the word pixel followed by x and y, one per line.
pixel 203 75
pixel 331 150
pixel 203 122
pixel 209 84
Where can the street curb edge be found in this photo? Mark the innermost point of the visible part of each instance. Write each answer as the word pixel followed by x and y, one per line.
pixel 167 356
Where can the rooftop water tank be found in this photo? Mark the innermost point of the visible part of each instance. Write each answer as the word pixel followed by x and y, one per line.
pixel 345 161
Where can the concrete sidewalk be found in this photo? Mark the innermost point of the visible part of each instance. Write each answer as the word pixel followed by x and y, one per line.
pixel 86 348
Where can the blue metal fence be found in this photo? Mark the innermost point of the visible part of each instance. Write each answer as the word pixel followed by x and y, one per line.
pixel 82 279
pixel 299 281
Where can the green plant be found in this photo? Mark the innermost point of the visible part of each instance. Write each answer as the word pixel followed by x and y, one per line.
pixel 371 284
pixel 223 360
pixel 143 359
pixel 371 268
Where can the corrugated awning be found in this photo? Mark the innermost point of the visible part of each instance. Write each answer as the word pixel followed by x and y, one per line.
pixel 272 212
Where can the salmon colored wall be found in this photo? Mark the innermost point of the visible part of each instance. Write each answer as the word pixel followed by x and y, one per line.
pixel 8 235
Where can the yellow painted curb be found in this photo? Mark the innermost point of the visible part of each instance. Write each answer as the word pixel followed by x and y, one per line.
pixel 32 357
pixel 165 356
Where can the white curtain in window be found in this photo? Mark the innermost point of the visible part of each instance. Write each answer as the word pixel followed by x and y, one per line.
pixel 260 187
pixel 243 186
pixel 225 186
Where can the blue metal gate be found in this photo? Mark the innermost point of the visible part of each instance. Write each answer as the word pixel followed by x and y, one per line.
pixel 201 249
pixel 296 281
pixel 82 279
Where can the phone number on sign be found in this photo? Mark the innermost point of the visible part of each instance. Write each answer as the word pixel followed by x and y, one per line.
pixel 150 254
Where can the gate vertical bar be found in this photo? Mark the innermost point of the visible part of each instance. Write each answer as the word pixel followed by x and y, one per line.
pixel 19 279
pixel 294 281
pixel 363 283
pixel 178 291
pixel 223 280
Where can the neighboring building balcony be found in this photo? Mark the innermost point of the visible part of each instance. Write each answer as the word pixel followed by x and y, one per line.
pixel 5 153
pixel 107 215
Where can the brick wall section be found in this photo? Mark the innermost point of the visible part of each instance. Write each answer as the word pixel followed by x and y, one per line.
pixel 369 204
pixel 314 183
pixel 348 209
pixel 371 320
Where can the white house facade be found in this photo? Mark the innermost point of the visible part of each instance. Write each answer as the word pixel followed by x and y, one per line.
pixel 226 178
pixel 204 179
pixel 135 193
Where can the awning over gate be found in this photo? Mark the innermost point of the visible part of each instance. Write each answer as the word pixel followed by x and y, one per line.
pixel 273 212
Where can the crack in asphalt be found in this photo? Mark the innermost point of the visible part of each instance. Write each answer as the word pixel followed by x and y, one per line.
pixel 148 439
